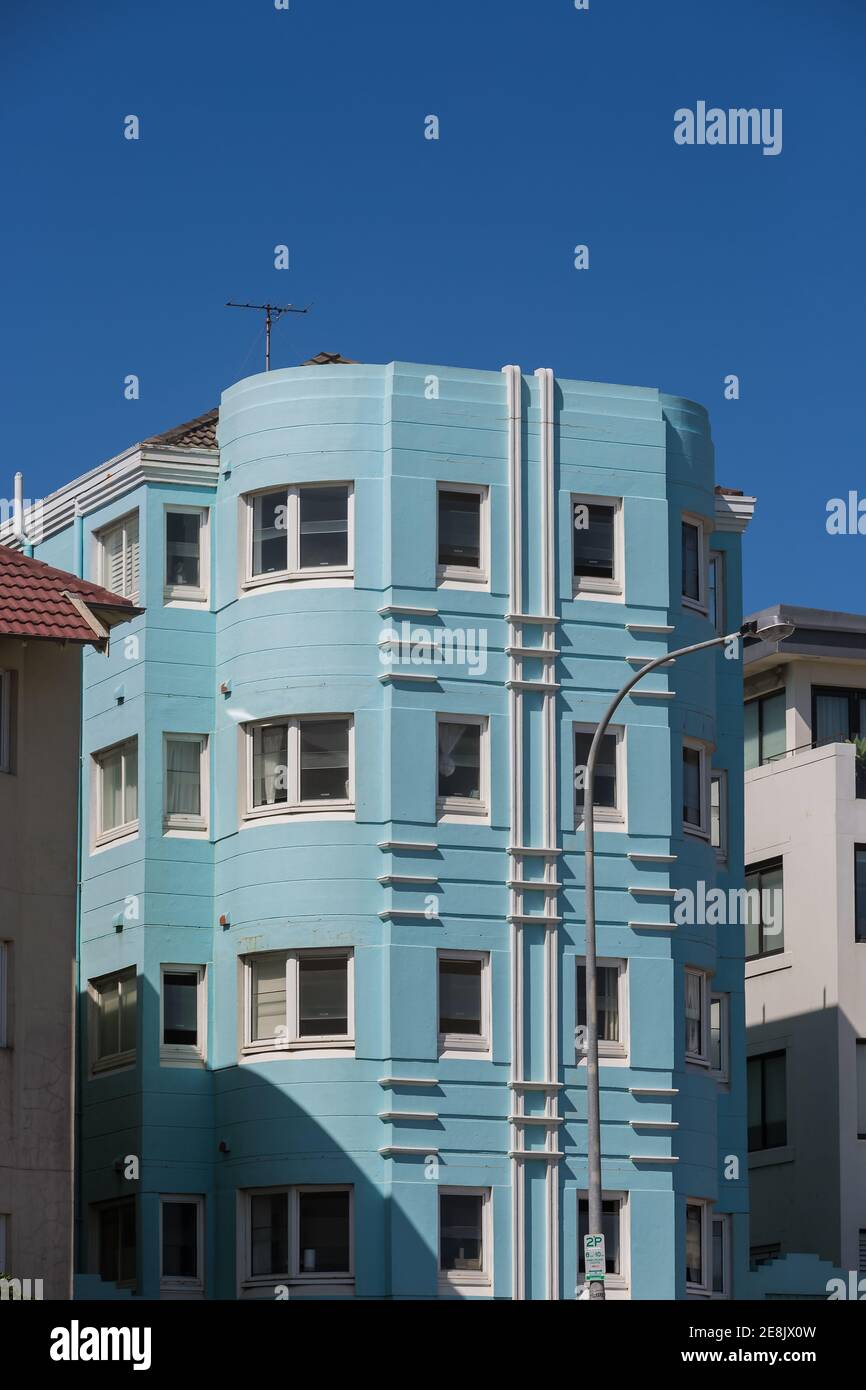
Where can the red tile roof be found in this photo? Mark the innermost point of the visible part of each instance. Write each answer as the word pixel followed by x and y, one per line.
pixel 328 359
pixel 33 605
pixel 199 433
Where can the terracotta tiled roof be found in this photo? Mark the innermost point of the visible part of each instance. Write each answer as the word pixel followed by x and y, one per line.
pixel 199 433
pixel 729 491
pixel 325 359
pixel 33 605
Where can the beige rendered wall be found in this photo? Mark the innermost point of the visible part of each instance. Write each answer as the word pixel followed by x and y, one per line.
pixel 38 809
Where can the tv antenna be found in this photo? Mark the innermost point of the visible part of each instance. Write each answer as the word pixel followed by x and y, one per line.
pixel 273 313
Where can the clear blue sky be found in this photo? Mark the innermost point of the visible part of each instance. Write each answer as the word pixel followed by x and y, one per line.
pixel 306 127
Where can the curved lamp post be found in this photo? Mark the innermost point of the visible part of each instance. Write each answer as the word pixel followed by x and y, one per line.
pixel 773 630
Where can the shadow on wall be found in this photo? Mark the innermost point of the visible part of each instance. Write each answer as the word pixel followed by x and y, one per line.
pixel 260 1180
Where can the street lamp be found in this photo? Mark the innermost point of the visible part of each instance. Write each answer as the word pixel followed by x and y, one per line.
pixel 773 629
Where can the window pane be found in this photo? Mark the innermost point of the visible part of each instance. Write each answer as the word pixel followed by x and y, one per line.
pixel 593 541
pixel 718 1256
pixel 775 1106
pixel 716 1034
pixel 692 787
pixel 832 718
pixel 772 726
pixel 460 529
pixel 694 1014
pixel 750 735
pixel 128 1001
pixel 269 1233
pixel 459 760
pixel 324 526
pixel 714 575
pixel 325 760
pixel 754 1088
pixel 111 772
pixel 268 999
pixel 460 997
pixel 691 562
pixel 182 549
pixel 607 1001
pixel 108 1019
pixel 183 777
pixel 694 1244
pixel 461 1242
pixel 323 996
pixel 860 894
pixel 323 1232
pixel 270 756
pixel 179 1245
pixel 180 1008
pixel 772 910
pixel 610 1229
pixel 715 812
pixel 604 787
pixel 270 539
pixel 109 1244
pixel 127 1243
pixel 860 1051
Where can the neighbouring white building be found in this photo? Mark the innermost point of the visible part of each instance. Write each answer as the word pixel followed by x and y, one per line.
pixel 806 963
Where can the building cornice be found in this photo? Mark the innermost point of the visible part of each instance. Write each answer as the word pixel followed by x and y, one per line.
pixel 733 512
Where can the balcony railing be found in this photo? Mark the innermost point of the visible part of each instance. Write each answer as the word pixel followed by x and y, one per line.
pixel 859 762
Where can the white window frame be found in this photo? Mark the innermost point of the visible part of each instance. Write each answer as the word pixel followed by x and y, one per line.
pixel 293 573
pixel 618 1284
pixel 189 595
pixel 605 817
pixel 724 1001
pixel 723 1219
pixel 720 776
pixel 717 561
pixel 464 576
pixel 188 825
pixel 467 1282
pixel 5 721
pixel 293 805
pixel 704 1288
pixel 4 998
pixel 702 1057
pixel 607 1051
pixel 129 828
pixel 184 1054
pixel 335 1044
pixel 171 1283
pixel 114 1061
pixel 299 1280
pixel 585 586
pixel 466 1044
pixel 702 831
pixel 127 589
pixel 698 605
pixel 455 809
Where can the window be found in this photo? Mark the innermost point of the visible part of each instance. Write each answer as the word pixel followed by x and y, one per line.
pixel 302 1235
pixel 719 814
pixel 719 1036
pixel 697 1246
pixel 695 788
pixel 301 532
pixel 461 770
pixel 4 1244
pixel 612 1011
pixel 186 556
pixel 860 892
pixel 114 1005
pixel 186 782
pixel 697 1039
pixel 115 1235
pixel 767 1100
pixel 6 721
pixel 464 1238
pixel 183 1016
pixel 597 546
pixel 694 565
pixel 119 557
pixel 764 729
pixel 461 553
pixel 300 1000
pixel 838 715
pixel 613 1210
pixel 860 1047
pixel 4 997
pixel 300 764
pixel 464 1002
pixel 721 1255
pixel 716 594
pixel 181 1221
pixel 608 785
pixel 765 915
pixel 116 791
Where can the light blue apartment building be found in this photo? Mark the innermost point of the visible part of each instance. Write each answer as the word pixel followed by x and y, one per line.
pixel 331 921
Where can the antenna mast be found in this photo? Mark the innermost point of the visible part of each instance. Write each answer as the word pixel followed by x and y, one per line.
pixel 273 313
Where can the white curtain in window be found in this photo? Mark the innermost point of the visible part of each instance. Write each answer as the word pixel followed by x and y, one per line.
pixel 449 737
pixel 183 777
pixel 269 764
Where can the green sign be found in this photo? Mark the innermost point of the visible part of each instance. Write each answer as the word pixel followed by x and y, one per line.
pixel 593 1257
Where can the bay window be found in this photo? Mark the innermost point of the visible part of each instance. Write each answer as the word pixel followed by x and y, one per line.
pixel 696 819
pixel 186 559
pixel 113 1020
pixel 464 1240
pixel 301 1235
pixel 694 564
pixel 186 782
pixel 697 1034
pixel 300 532
pixel 299 1001
pixel 119 557
pixel 183 1014
pixel 116 791
pixel 302 763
